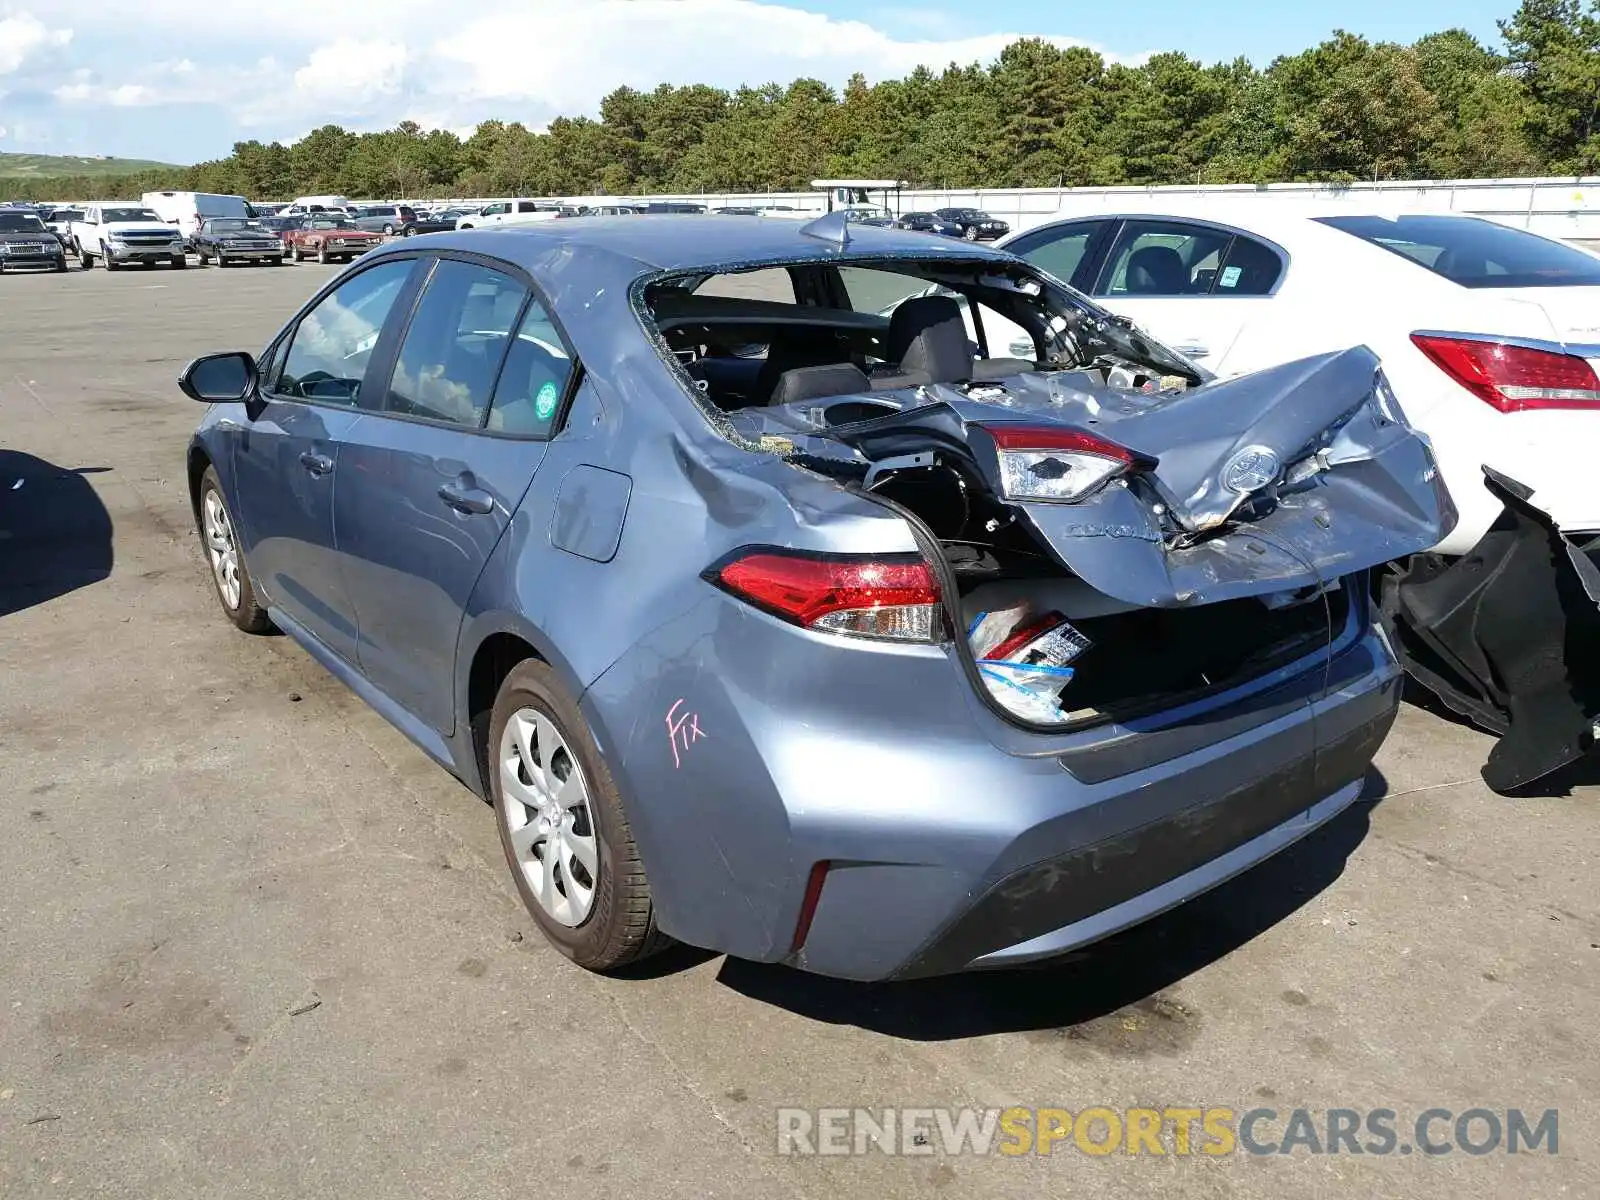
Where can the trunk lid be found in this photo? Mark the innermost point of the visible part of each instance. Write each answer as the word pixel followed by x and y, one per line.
pixel 1285 479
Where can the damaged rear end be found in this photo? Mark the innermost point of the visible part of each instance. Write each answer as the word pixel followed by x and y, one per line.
pixel 1111 553
pixel 1508 635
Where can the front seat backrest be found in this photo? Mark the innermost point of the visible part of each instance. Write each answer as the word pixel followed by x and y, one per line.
pixel 814 383
pixel 1157 271
pixel 928 339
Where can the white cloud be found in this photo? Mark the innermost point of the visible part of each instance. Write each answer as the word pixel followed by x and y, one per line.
pixel 443 66
pixel 23 36
pixel 586 50
pixel 352 71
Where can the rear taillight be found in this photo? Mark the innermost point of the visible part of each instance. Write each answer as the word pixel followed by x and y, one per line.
pixel 894 598
pixel 1056 463
pixel 1511 377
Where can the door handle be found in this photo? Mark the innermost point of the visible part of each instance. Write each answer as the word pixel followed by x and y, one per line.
pixel 317 464
pixel 468 500
pixel 1192 349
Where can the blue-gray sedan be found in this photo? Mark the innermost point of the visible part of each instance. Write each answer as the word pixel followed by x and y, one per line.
pixel 777 614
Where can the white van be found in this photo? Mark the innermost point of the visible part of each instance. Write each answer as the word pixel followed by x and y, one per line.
pixel 187 209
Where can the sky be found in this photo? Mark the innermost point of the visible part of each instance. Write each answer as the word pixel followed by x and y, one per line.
pixel 182 80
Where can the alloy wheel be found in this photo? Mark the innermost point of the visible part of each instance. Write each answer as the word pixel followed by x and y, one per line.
pixel 548 817
pixel 222 549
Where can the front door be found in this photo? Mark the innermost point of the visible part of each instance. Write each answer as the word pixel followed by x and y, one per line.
pixel 428 486
pixel 286 459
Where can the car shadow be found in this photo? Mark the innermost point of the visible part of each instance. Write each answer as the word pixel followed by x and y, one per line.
pixel 1110 992
pixel 55 534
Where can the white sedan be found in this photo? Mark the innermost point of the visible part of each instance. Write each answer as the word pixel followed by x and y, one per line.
pixel 1490 337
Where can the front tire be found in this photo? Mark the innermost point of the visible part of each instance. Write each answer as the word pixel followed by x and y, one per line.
pixel 562 826
pixel 230 578
pixel 971 234
pixel 109 263
pixel 388 231
pixel 322 254
pixel 180 262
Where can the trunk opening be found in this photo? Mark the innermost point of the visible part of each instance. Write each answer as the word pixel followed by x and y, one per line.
pixel 1125 660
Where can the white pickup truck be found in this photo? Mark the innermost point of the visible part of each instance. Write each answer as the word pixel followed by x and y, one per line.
pixel 508 212
pixel 125 232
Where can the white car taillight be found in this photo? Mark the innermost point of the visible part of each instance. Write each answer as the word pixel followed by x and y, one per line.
pixel 1055 464
pixel 1513 377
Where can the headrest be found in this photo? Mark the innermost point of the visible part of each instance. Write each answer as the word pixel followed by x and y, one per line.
pixel 812 383
pixel 1157 270
pixel 928 337
pixel 1454 263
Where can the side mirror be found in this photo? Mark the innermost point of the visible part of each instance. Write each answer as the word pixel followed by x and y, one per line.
pixel 219 378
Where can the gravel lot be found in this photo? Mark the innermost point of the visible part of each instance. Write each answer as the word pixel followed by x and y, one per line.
pixel 252 943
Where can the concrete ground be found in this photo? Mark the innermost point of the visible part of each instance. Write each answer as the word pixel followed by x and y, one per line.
pixel 254 944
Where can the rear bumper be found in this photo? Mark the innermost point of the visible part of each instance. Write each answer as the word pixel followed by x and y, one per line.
pixel 952 840
pixel 1095 890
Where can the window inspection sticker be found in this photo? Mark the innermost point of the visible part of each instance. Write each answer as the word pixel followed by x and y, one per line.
pixel 1230 277
pixel 545 402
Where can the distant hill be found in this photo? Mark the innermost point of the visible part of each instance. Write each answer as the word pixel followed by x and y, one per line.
pixel 60 166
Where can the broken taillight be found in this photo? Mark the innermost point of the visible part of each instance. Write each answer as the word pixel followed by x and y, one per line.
pixel 890 597
pixel 1055 463
pixel 1513 378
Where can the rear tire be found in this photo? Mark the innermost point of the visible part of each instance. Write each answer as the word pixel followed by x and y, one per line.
pixel 615 924
pixel 230 578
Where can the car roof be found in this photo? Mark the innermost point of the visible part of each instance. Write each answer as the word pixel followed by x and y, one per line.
pixel 680 242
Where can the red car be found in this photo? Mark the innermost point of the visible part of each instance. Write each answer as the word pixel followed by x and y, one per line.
pixel 329 239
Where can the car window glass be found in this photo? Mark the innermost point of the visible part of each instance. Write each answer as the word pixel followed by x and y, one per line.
pixel 452 351
pixel 874 291
pixel 1247 269
pixel 1475 253
pixel 533 379
pixel 1058 251
pixel 327 359
pixel 771 283
pixel 1163 258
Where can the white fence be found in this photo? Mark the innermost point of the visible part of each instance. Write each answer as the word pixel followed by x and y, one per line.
pixel 1565 208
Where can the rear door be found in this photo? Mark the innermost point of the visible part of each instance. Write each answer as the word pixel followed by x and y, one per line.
pixel 1191 284
pixel 285 461
pixel 428 485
